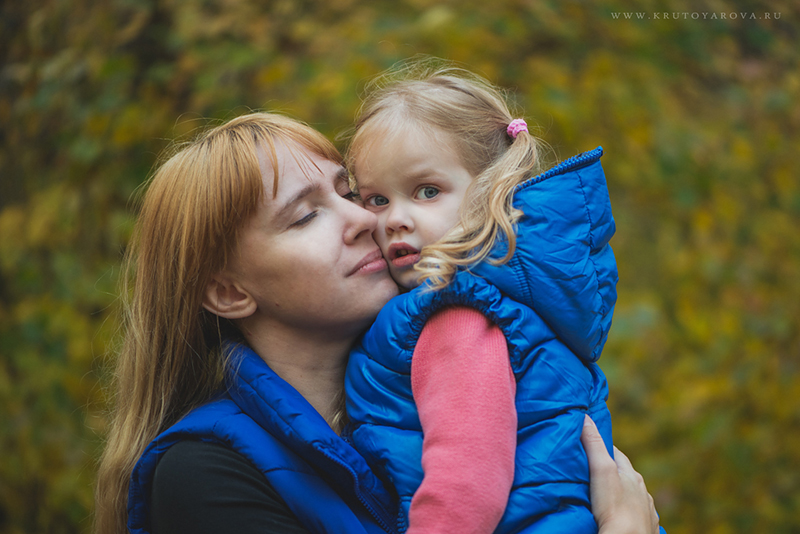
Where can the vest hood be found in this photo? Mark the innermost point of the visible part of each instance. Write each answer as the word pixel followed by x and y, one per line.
pixel 562 266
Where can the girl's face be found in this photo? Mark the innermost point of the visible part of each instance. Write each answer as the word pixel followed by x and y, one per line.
pixel 307 257
pixel 415 184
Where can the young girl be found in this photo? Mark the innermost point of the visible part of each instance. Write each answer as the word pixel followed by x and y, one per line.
pixel 468 394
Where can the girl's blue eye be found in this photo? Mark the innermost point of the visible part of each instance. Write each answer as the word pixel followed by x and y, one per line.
pixel 378 200
pixel 428 192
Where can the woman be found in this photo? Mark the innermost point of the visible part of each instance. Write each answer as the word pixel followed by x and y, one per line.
pixel 254 274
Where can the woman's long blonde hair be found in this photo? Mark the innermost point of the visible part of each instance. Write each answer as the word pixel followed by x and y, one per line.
pixel 423 95
pixel 171 358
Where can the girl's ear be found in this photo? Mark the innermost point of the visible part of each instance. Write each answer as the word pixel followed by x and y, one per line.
pixel 226 298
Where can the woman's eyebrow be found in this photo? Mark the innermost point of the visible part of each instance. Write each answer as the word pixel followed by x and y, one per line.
pixel 342 175
pixel 287 208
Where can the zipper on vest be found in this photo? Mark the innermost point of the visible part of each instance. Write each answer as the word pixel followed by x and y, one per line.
pixel 382 522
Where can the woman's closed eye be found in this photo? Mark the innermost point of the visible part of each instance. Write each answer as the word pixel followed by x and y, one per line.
pixel 304 220
pixel 427 192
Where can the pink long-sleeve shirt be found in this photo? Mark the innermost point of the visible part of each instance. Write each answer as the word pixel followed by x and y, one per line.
pixel 464 389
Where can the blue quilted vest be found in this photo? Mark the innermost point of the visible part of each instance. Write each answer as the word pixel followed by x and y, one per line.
pixel 553 301
pixel 323 480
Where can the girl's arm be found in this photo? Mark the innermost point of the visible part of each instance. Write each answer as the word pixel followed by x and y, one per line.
pixel 464 389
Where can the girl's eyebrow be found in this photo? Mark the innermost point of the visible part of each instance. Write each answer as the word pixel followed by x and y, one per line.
pixel 419 176
pixel 363 184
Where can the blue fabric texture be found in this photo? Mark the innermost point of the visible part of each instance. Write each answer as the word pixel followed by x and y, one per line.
pixel 554 302
pixel 325 482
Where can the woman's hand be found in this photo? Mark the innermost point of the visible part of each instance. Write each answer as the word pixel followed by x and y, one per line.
pixel 620 502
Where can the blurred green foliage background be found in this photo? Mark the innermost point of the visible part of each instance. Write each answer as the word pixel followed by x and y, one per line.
pixel 695 103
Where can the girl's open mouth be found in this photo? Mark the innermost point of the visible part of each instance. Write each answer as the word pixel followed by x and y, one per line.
pixel 403 254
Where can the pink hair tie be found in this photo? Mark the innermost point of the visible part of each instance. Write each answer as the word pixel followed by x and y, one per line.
pixel 515 127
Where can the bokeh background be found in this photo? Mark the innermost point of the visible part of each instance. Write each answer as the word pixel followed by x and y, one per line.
pixel 695 103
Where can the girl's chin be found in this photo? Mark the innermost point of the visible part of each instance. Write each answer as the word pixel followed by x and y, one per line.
pixel 406 279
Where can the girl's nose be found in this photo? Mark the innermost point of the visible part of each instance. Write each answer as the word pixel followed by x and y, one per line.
pixel 398 220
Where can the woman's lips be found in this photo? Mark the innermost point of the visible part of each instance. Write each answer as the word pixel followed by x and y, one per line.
pixel 371 263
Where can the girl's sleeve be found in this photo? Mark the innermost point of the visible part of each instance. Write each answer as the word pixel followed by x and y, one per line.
pixel 464 389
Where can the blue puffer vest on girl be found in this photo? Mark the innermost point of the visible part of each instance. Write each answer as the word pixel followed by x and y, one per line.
pixel 323 480
pixel 553 301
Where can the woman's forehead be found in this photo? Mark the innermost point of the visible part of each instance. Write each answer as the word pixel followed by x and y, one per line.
pixel 294 167
pixel 286 161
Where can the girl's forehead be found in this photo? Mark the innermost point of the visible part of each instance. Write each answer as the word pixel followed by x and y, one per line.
pixel 381 132
pixel 390 125
pixel 415 130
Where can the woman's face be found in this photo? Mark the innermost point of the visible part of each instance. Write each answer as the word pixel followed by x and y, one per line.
pixel 307 257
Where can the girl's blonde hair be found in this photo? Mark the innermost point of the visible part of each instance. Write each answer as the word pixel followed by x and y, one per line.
pixel 429 97
pixel 171 359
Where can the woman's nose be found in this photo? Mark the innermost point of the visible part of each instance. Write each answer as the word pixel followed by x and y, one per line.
pixel 359 221
pixel 398 219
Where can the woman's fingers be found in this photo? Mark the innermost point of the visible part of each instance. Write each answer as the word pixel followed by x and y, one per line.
pixel 621 459
pixel 604 483
pixel 600 461
pixel 625 467
pixel 620 501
